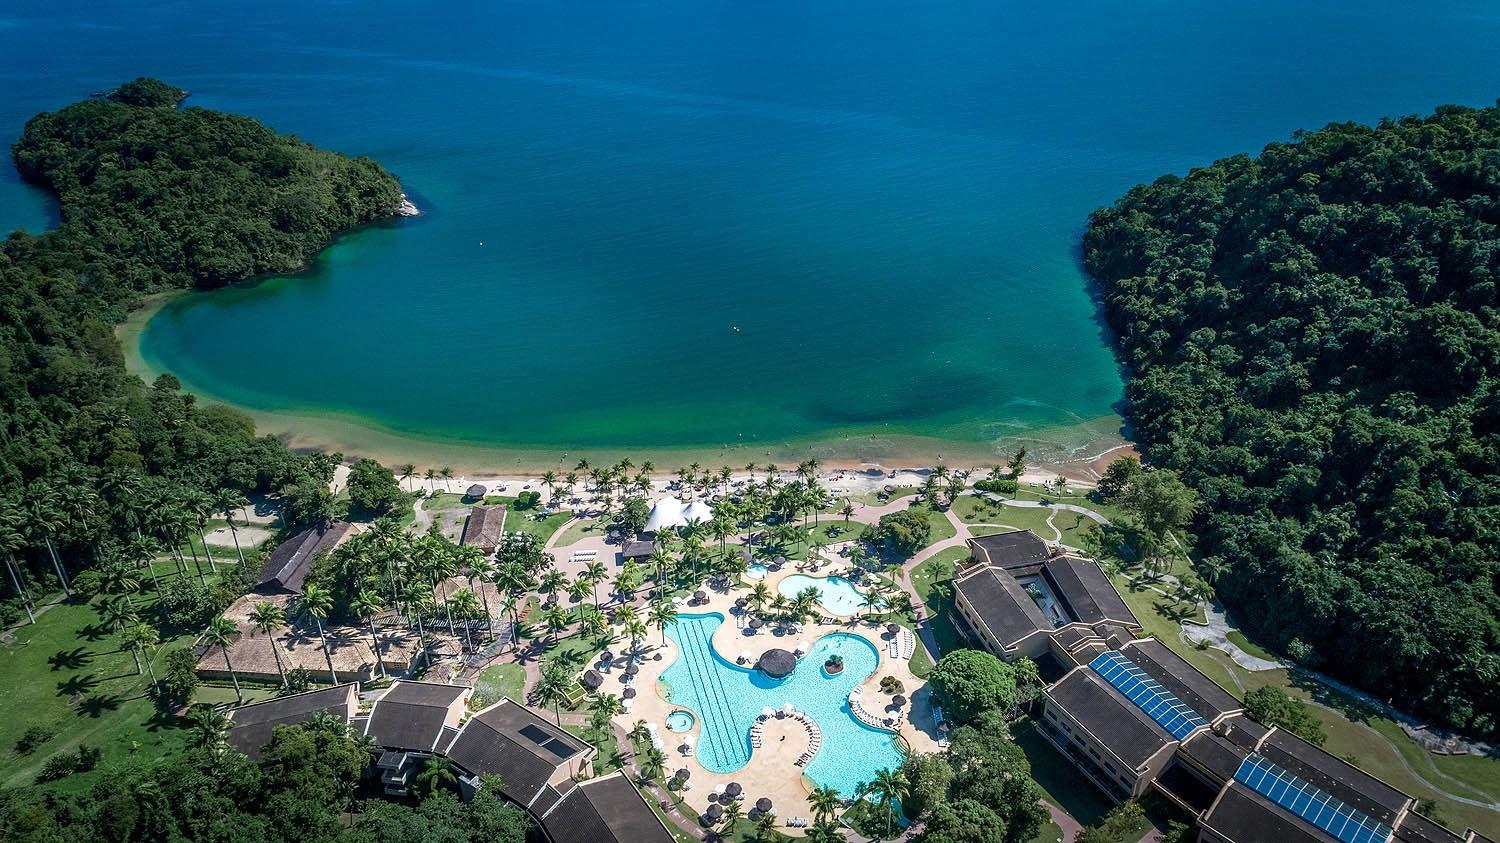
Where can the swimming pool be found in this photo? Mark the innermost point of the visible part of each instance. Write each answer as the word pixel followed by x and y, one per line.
pixel 756 571
pixel 680 721
pixel 727 698
pixel 838 595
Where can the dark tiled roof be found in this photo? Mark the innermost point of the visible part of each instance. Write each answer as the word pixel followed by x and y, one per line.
pixel 1067 636
pixel 1415 828
pixel 1242 731
pixel 1113 720
pixel 485 526
pixel 1345 781
pixel 1008 550
pixel 411 715
pixel 1090 596
pixel 252 724
pixel 1214 754
pixel 1244 817
pixel 1002 605
pixel 289 564
pixel 637 549
pixel 1182 679
pixel 519 744
pixel 605 810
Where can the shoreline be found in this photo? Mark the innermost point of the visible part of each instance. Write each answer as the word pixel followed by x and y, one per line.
pixel 1076 450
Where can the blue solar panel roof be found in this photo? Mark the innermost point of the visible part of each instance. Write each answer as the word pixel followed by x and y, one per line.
pixel 1309 801
pixel 1161 705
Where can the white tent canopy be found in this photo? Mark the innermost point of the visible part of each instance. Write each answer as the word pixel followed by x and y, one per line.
pixel 698 512
pixel 666 514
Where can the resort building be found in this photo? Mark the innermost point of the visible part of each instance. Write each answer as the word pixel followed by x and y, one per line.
pixel 289 564
pixel 541 767
pixel 1133 716
pixel 251 725
pixel 484 528
pixel 637 550
pixel 1024 598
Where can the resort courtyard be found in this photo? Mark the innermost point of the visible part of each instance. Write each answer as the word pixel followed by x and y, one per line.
pixel 748 709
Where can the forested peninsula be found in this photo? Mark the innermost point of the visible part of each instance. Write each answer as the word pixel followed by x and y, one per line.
pixel 1313 336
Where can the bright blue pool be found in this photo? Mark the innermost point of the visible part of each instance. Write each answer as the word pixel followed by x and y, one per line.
pixel 680 721
pixel 727 698
pixel 836 594
pixel 756 571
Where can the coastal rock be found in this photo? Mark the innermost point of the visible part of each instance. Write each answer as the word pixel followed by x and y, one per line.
pixel 407 209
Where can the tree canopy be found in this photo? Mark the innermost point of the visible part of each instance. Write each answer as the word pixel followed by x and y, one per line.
pixel 1313 336
pixel 969 682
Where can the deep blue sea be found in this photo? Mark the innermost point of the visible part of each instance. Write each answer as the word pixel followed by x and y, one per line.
pixel 766 226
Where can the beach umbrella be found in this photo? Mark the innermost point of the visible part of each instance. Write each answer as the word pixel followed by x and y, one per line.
pixel 756 623
pixel 893 628
pixel 898 700
pixel 715 811
pixel 700 596
pixel 632 670
pixel 741 603
pixel 763 805
pixel 477 491
pixel 628 693
pixel 591 680
pixel 733 790
pixel 683 774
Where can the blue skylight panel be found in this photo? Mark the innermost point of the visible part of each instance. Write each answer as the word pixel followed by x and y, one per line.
pixel 1310 802
pixel 1150 696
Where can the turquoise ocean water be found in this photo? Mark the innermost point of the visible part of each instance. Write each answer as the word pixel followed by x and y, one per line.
pixel 721 224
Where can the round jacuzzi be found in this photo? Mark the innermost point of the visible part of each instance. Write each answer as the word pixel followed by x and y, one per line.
pixel 680 721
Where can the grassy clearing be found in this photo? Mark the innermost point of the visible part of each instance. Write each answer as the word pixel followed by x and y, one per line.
pixel 925 578
pixel 587 528
pixel 68 675
pixel 880 498
pixel 526 521
pixel 505 679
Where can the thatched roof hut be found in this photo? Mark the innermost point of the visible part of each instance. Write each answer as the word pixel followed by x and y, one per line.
pixel 476 491
pixel 591 680
pixel 777 662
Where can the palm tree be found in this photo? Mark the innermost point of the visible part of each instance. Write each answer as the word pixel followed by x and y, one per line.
pixel 549 479
pixel 447 474
pixel 889 787
pixel 639 733
pixel 429 474
pixel 226 503
pixel 733 812
pixel 221 632
pixel 662 613
pixel 41 515
pixel 552 689
pixel 636 630
pixel 118 615
pixel 848 510
pixel 595 572
pixel 142 639
pixel 317 602
pixel 825 801
pixel 551 583
pixel 765 826
pixel 483 568
pixel 653 762
pixel 594 622
pixel 826 831
pixel 11 541
pixel 116 578
pixel 759 596
pixel 436 773
pixel 267 617
pixel 407 470
pixel 367 604
pixel 210 728
pixel 465 606
pixel 556 619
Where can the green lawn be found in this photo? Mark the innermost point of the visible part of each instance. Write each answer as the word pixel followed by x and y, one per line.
pixel 942 528
pixel 936 570
pixel 583 529
pixel 505 679
pixel 525 521
pixel 874 498
pixel 68 675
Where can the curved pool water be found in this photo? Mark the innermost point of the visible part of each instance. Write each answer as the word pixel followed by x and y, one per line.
pixel 680 721
pixel 727 698
pixel 837 594
pixel 756 571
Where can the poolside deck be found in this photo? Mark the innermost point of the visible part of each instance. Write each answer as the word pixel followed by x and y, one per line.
pixel 772 771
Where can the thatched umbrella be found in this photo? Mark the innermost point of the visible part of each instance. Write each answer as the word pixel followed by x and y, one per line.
pixel 733 790
pixel 780 560
pixel 893 628
pixel 631 671
pixel 763 805
pixel 898 700
pixel 700 596
pixel 714 812
pixel 628 694
pixel 756 623
pixel 741 603
pixel 591 680
pixel 477 491
pixel 682 774
pixel 777 662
